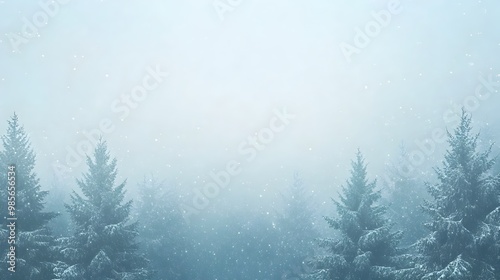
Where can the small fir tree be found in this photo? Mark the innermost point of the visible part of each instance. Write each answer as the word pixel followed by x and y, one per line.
pixel 103 245
pixel 367 248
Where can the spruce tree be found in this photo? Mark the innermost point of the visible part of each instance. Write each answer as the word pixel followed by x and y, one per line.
pixel 367 247
pixel 464 242
pixel 103 244
pixel 34 242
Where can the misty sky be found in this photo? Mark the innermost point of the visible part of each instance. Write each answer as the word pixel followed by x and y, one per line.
pixel 226 77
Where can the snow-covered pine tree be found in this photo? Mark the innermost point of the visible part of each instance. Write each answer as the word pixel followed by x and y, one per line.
pixel 367 248
pixel 296 229
pixel 103 245
pixel 163 232
pixel 34 241
pixel 464 242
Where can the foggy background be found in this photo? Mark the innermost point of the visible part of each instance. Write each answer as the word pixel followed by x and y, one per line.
pixel 228 72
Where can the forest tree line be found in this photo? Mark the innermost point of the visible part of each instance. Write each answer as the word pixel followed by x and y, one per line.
pixel 447 229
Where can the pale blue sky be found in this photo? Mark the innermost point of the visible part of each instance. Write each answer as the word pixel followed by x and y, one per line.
pixel 226 77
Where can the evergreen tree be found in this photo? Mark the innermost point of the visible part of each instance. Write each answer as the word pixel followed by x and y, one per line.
pixel 367 248
pixel 163 231
pixel 464 242
pixel 103 244
pixel 34 242
pixel 296 229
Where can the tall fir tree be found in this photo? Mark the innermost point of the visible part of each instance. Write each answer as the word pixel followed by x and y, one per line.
pixel 297 230
pixel 103 245
pixel 34 242
pixel 367 248
pixel 464 242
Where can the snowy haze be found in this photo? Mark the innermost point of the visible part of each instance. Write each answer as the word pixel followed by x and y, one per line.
pixel 229 71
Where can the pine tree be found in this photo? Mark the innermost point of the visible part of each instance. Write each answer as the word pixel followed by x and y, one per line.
pixel 464 242
pixel 367 248
pixel 297 230
pixel 34 242
pixel 163 230
pixel 103 244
